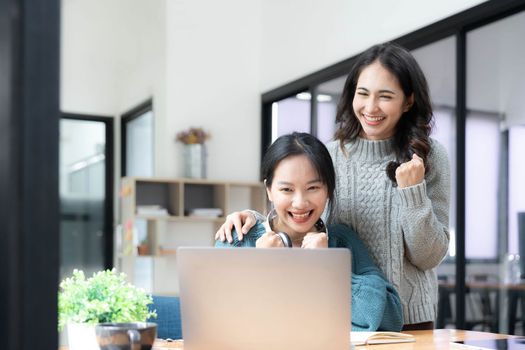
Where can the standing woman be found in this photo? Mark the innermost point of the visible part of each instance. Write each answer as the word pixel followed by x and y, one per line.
pixel 392 179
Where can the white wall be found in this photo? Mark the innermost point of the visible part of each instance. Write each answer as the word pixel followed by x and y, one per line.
pixel 300 37
pixel 206 63
pixel 214 59
pixel 112 58
pixel 89 57
pixel 112 54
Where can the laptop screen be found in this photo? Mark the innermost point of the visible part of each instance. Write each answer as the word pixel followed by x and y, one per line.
pixel 255 299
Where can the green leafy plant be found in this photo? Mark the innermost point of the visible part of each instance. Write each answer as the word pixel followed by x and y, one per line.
pixel 104 297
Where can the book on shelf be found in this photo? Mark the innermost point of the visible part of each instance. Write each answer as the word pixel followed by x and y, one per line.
pixel 165 250
pixel 152 210
pixel 205 212
pixel 368 338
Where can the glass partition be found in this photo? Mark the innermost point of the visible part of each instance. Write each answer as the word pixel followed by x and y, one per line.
pixel 291 114
pixel 328 96
pixel 517 195
pixel 494 157
pixel 437 61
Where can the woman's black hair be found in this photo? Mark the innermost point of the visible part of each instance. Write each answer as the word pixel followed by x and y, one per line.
pixel 296 144
pixel 412 133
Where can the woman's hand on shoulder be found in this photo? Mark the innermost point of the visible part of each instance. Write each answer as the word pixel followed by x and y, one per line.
pixel 243 221
pixel 315 240
pixel 269 240
pixel 410 173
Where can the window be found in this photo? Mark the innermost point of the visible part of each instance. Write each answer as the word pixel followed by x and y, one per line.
pixel 495 86
pixel 291 114
pixel 437 60
pixel 481 186
pixel 516 185
pixel 137 141
pixel 328 96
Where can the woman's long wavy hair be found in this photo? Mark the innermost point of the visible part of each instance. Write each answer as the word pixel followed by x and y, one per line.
pixel 412 133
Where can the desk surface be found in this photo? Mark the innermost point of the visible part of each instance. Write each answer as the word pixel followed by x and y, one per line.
pixel 485 285
pixel 425 340
pixel 438 339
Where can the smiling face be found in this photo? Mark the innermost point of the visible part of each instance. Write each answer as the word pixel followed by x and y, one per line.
pixel 379 102
pixel 298 195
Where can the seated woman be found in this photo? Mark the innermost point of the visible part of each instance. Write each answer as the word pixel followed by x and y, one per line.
pixel 300 182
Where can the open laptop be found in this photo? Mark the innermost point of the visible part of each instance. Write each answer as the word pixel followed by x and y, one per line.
pixel 265 299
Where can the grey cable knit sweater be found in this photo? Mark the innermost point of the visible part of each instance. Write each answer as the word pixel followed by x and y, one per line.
pixel 405 230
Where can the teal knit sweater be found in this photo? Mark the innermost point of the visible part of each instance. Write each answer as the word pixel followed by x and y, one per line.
pixel 375 302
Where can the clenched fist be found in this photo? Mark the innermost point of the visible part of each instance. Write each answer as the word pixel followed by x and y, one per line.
pixel 269 240
pixel 315 240
pixel 410 173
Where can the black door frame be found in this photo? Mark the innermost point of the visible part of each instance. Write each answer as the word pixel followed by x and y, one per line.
pixel 29 117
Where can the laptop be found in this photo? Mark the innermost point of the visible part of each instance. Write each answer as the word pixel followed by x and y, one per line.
pixel 265 299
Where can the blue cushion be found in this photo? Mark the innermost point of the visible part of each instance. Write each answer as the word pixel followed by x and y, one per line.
pixel 168 317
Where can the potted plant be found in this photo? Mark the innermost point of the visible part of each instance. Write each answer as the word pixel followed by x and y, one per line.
pixel 104 297
pixel 143 247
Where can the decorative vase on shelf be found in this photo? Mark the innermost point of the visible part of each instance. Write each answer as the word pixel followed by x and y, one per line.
pixel 195 160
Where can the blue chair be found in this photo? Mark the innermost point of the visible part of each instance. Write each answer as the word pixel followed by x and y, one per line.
pixel 168 317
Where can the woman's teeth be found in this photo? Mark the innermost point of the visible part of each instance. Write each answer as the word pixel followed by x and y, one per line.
pixel 372 118
pixel 301 216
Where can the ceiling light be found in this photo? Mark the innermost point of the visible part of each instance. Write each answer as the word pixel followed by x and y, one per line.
pixel 324 98
pixel 306 96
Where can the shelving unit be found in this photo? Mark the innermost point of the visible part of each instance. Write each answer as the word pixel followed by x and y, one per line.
pixel 165 222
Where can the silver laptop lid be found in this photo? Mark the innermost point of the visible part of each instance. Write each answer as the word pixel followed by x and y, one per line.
pixel 264 299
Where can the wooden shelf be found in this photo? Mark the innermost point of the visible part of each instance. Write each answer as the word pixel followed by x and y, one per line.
pixel 176 197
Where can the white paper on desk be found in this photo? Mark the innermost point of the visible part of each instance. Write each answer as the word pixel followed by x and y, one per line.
pixel 465 347
pixel 362 338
